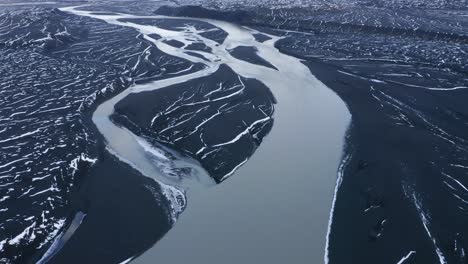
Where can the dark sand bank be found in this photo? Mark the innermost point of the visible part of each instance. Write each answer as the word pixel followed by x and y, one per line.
pixel 261 37
pixel 125 214
pixel 197 116
pixel 396 164
pixel 249 54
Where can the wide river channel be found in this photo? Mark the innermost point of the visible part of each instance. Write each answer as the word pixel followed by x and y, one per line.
pixel 276 207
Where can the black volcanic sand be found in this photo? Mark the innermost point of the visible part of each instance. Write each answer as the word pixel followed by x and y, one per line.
pixel 182 107
pixel 261 37
pixel 249 54
pixel 174 43
pixel 123 216
pixel 198 47
pixel 59 82
pixel 234 16
pixel 55 67
pixel 389 158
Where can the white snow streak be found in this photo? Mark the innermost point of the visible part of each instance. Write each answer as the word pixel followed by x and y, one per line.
pixel 402 260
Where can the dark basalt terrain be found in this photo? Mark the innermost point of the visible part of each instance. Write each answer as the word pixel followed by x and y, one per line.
pixel 190 117
pixel 403 182
pixel 249 54
pixel 55 69
pixel 113 196
pixel 235 16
